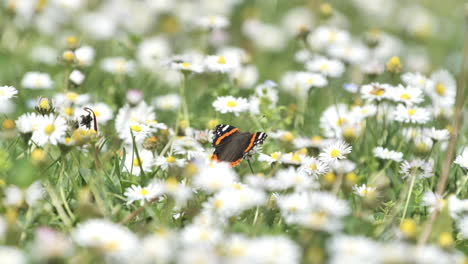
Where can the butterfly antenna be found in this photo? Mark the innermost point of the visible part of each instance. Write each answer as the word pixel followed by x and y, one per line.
pixel 250 165
pixel 90 111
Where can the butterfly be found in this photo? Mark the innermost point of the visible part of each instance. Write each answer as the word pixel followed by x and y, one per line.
pixel 233 146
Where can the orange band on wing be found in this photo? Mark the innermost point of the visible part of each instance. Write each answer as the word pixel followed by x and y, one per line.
pixel 235 163
pixel 252 140
pixel 214 157
pixel 226 135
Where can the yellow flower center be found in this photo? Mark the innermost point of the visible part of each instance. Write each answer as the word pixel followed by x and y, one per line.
pixel 44 104
pixel 310 81
pixel 440 89
pixel 68 111
pixel 185 64
pixel 394 64
pixel 111 246
pixel 275 155
pixel 377 91
pixel 341 121
pixel 287 136
pixel 143 191
pixel 318 218
pixel 97 113
pixel 324 67
pixel 221 60
pixel 136 162
pixel 38 82
pixel 136 128
pixel 2 92
pixel 329 177
pixel 171 183
pixel 170 159
pixel 296 158
pixel 408 227
pixel 349 132
pixel 334 153
pixel 217 204
pixel 313 166
pixel 237 186
pixel 72 96
pixel 72 40
pixel 49 129
pixel 332 36
pixel 405 96
pixel 231 104
pixel 411 111
pixel 8 124
pixel 316 139
pixel 351 178
pixel 38 155
pixel 68 56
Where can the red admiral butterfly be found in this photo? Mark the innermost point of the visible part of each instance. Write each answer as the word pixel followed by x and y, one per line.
pixel 232 146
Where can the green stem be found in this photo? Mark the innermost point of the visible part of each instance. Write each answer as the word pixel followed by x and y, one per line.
pixel 56 203
pixel 462 185
pixel 184 100
pixel 413 179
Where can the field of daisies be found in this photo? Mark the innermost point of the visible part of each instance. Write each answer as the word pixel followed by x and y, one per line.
pixel 114 144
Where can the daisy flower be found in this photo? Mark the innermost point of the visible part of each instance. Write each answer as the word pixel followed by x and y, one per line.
pixel 437 134
pixel 213 177
pixel 169 161
pixel 364 191
pixel 111 239
pixel 27 122
pixel 187 66
pixel 418 168
pixel 143 194
pixel 84 55
pixel 133 164
pixel 292 158
pixel 36 80
pixel 416 79
pixel 233 201
pixel 444 88
pixel 407 95
pixel 325 36
pixel 230 104
pixel 292 178
pixel 433 200
pixel 118 65
pixel 50 129
pixel 462 159
pixel 213 22
pixel 410 114
pixel 376 91
pixel 266 90
pixel 462 225
pixel 335 151
pixel 7 92
pixel 273 157
pixel 168 102
pixel 312 79
pixel 386 154
pixel 327 67
pixel 313 166
pixel 76 77
pixel 221 63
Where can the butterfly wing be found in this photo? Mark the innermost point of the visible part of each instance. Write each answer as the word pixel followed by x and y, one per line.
pixel 232 149
pixel 255 139
pixel 231 145
pixel 222 133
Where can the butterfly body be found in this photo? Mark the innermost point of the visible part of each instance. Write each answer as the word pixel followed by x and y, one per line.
pixel 232 145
